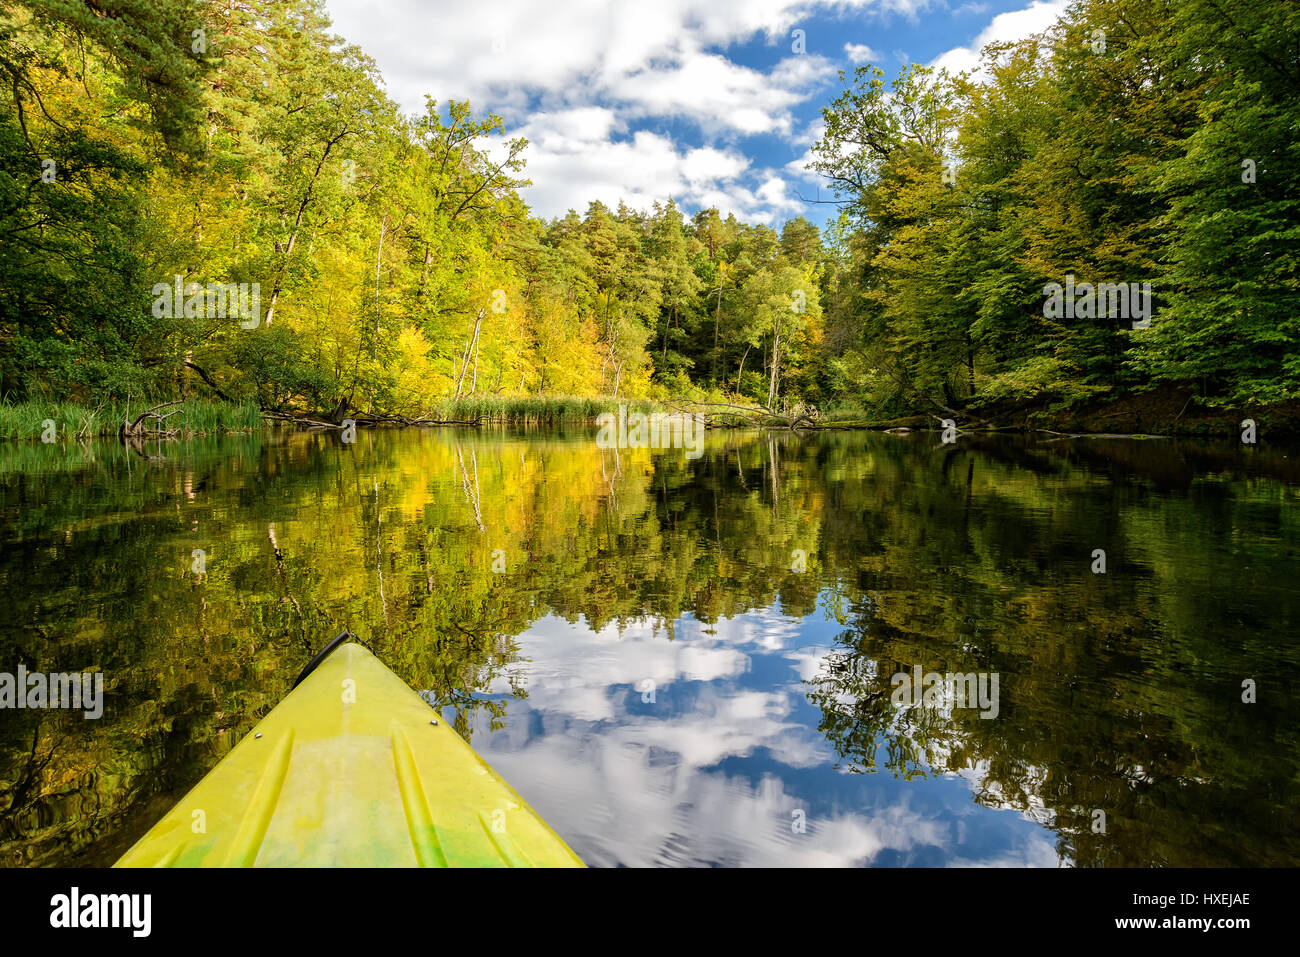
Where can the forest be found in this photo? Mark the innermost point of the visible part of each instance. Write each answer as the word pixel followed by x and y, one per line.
pixel 153 151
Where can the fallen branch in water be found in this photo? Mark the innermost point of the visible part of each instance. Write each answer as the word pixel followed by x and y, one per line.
pixel 134 428
pixel 755 417
pixel 1102 435
pixel 368 420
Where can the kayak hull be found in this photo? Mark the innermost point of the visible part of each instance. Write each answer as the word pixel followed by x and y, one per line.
pixel 351 769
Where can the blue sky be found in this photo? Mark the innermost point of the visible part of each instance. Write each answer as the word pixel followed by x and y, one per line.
pixel 712 103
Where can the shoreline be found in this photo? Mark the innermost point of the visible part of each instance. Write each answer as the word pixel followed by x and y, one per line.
pixel 1152 416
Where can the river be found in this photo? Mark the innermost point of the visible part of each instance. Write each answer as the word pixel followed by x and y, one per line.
pixel 687 660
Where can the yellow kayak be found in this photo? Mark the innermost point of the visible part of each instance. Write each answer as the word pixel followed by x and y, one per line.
pixel 351 769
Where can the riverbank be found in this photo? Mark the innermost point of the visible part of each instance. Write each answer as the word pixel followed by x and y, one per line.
pixel 1173 412
pixel 538 410
pixel 1170 413
pixel 1158 413
pixel 36 420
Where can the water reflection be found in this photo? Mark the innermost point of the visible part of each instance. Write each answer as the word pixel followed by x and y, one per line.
pixel 719 761
pixel 686 661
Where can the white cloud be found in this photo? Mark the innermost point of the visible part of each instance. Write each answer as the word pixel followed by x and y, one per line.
pixel 574 78
pixel 573 159
pixel 718 95
pixel 861 53
pixel 704 165
pixel 577 78
pixel 572 131
pixel 509 50
pixel 1005 27
pixel 765 204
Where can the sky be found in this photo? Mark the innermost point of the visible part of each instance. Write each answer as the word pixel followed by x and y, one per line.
pixel 706 102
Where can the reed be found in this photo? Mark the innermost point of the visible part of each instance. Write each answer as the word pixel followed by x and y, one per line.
pixel 527 410
pixel 29 420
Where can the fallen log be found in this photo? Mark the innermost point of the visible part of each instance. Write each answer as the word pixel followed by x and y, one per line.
pixel 473 422
pixel 752 416
pixel 366 420
pixel 1102 435
pixel 134 428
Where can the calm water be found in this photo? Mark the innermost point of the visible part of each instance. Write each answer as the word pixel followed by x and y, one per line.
pixel 688 662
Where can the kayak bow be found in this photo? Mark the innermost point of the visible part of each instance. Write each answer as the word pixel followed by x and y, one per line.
pixel 351 769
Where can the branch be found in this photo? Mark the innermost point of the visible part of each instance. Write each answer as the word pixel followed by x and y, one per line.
pixel 208 379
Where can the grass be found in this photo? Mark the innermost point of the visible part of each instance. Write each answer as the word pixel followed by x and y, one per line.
pixel 27 420
pixel 31 420
pixel 202 417
pixel 537 409
pixel 848 411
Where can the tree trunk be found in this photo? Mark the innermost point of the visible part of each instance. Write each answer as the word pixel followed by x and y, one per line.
pixel 473 383
pixel 776 360
pixel 297 224
pixel 717 317
pixel 379 258
pixel 424 275
pixel 470 344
